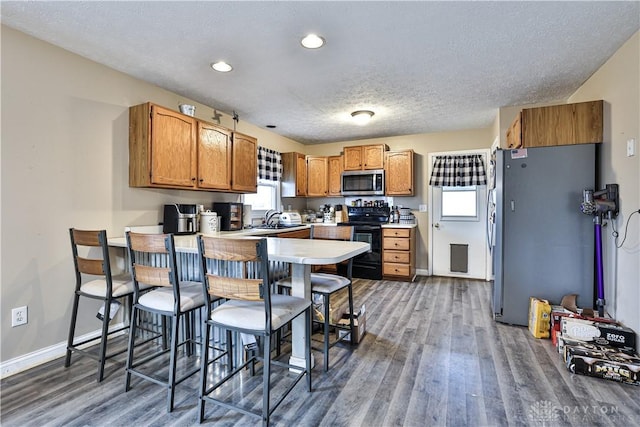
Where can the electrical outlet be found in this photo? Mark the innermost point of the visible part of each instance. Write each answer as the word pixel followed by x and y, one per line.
pixel 422 208
pixel 19 316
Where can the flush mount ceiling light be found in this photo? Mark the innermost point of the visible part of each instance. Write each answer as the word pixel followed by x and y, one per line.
pixel 312 41
pixel 221 66
pixel 362 117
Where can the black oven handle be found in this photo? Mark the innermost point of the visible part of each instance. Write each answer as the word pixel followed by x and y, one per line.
pixel 361 227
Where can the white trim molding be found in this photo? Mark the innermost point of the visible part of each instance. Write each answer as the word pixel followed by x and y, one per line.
pixel 44 355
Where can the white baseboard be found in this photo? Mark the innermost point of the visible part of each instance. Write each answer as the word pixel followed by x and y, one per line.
pixel 422 272
pixel 44 355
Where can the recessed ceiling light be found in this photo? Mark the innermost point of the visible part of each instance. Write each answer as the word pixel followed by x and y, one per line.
pixel 221 66
pixel 312 41
pixel 362 117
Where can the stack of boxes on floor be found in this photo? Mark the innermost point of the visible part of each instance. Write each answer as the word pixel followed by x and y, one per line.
pixel 589 345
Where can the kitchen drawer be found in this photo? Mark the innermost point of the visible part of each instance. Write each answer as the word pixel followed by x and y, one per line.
pixel 393 269
pixel 403 257
pixel 396 232
pixel 400 244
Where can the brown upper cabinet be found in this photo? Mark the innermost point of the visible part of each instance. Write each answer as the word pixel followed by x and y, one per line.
pixel 317 176
pixel 362 157
pixel 294 175
pixel 399 173
pixel 168 149
pixel 579 123
pixel 162 148
pixel 335 175
pixel 214 148
pixel 244 163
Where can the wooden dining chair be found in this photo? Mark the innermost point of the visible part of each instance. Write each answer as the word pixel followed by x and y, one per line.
pixel 153 263
pixel 238 270
pixel 327 284
pixel 94 280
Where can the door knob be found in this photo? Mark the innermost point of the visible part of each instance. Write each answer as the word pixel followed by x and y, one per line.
pixel 436 225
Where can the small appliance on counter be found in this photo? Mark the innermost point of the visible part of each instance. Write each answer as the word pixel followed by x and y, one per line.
pixel 290 218
pixel 209 222
pixel 229 215
pixel 247 215
pixel 180 219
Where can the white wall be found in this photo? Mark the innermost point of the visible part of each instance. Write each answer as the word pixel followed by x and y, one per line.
pixel 617 82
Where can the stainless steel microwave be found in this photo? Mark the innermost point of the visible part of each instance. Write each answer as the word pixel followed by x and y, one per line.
pixel 363 183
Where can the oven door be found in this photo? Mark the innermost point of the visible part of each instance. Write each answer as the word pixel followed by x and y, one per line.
pixel 371 234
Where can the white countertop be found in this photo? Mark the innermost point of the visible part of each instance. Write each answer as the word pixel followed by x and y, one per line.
pixel 297 251
pixel 394 225
pixel 186 243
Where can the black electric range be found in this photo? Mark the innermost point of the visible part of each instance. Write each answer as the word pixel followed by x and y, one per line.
pixel 367 222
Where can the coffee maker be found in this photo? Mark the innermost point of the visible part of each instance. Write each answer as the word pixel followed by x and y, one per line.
pixel 180 219
pixel 230 215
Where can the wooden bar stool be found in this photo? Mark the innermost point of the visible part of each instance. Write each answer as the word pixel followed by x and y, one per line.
pixel 153 263
pixel 327 284
pixel 99 284
pixel 238 270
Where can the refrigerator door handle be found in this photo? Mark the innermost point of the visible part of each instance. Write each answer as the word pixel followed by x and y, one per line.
pixel 513 206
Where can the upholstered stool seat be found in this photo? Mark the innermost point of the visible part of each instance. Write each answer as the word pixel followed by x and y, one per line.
pixel 245 314
pixel 121 285
pixel 162 299
pixel 321 283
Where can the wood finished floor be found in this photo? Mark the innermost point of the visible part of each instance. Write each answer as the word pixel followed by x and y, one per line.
pixel 432 356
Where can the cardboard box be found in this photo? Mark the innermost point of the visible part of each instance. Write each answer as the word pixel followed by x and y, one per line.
pixel 539 317
pixel 558 312
pixel 359 324
pixel 598 332
pixel 603 362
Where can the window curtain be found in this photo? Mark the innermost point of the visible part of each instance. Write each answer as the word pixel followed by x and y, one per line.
pixel 269 164
pixel 458 171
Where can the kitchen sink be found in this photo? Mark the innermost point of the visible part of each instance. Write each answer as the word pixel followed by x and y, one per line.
pixel 276 226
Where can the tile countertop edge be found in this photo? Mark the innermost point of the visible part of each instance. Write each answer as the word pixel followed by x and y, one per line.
pixel 399 225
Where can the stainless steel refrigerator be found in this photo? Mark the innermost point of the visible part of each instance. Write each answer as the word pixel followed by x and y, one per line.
pixel 544 245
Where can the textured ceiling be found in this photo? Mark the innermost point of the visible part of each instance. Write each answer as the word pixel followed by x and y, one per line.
pixel 421 66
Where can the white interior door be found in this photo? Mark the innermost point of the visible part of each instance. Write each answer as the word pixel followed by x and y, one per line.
pixel 458 239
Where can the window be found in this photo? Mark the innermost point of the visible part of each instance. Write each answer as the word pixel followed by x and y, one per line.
pixel 266 198
pixel 460 202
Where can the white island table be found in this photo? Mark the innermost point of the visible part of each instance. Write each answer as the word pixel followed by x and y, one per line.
pixel 302 254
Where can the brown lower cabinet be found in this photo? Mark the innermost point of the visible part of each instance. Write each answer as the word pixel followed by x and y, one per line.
pixel 399 253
